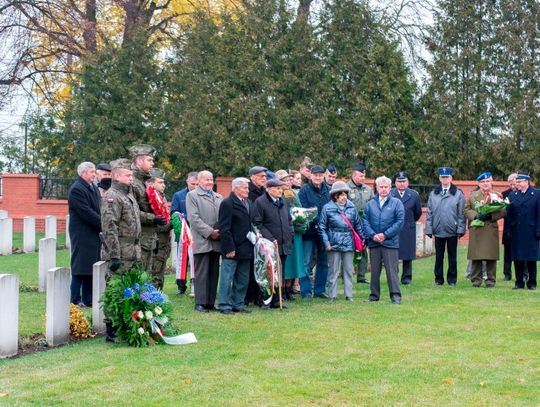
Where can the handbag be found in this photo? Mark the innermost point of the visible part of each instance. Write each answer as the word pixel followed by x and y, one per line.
pixel 359 245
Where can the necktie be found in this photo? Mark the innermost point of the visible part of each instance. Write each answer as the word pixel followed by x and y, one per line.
pixel 444 191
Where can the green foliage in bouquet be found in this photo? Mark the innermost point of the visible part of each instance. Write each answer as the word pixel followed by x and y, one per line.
pixel 138 311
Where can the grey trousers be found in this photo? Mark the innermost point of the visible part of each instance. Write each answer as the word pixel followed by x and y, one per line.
pixel 335 261
pixel 206 278
pixel 390 258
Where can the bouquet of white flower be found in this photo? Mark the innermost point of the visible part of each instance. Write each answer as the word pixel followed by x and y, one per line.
pixel 302 217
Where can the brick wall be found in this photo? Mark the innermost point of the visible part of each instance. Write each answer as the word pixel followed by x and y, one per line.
pixel 21 197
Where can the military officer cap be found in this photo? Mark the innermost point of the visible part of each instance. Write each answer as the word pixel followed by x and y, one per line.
pixel 157 173
pixel 317 169
pixel 306 162
pixel 401 176
pixel 121 163
pixel 445 172
pixel 141 149
pixel 359 167
pixel 256 170
pixel 524 176
pixel 331 168
pixel 104 167
pixel 483 176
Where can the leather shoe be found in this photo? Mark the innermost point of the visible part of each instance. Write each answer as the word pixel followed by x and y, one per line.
pixel 532 287
pixel 277 305
pixel 364 281
pixel 406 283
pixel 200 308
pixel 242 310
pixel 321 295
pixel 226 311
pixel 490 285
pixel 264 307
pixel 438 283
pixel 517 288
pixel 348 299
pixel 396 300
pixel 452 284
pixel 507 278
pixel 372 299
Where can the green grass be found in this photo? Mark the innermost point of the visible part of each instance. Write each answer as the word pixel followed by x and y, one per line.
pixel 18 239
pixel 442 347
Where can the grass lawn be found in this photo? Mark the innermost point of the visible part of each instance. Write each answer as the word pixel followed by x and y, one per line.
pixel 443 346
pixel 18 239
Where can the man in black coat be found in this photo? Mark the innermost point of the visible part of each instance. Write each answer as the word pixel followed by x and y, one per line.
pixel 84 228
pixel 507 242
pixel 236 249
pixel 413 211
pixel 523 228
pixel 272 218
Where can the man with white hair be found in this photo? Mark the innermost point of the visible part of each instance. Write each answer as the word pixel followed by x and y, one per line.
pixel 236 249
pixel 84 229
pixel 382 220
pixel 202 205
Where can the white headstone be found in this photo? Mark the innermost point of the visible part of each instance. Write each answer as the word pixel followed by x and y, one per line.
pixel 98 287
pixel 29 234
pixel 47 260
pixel 3 214
pixel 9 315
pixel 174 253
pixel 68 239
pixel 419 239
pixel 428 246
pixel 50 226
pixel 58 293
pixel 6 236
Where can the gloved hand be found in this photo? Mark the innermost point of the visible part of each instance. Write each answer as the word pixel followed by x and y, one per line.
pixel 429 235
pixel 115 264
pixel 160 220
pixel 483 218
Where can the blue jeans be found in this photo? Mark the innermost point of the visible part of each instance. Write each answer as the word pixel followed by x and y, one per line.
pixel 233 283
pixel 311 247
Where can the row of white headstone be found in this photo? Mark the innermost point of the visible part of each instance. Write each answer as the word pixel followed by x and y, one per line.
pixel 29 232
pixel 57 307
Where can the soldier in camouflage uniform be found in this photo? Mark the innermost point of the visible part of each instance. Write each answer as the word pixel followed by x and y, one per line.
pixel 120 225
pixel 359 195
pixel 163 247
pixel 143 162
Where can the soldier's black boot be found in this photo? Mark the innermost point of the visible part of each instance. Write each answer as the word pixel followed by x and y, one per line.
pixel 110 333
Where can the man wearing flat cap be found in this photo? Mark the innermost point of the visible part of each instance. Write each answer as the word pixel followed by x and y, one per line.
pixel 155 192
pixel 272 218
pixel 314 194
pixel 143 162
pixel 121 226
pixel 524 230
pixel 360 195
pixel 103 177
pixel 413 211
pixel 446 222
pixel 483 240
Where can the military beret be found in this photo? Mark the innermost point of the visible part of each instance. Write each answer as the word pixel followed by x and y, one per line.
pixel 256 170
pixel 359 167
pixel 331 168
pixel 401 176
pixel 484 175
pixel 274 182
pixel 281 174
pixel 121 163
pixel 445 171
pixel 306 162
pixel 141 149
pixel 104 167
pixel 157 173
pixel 317 169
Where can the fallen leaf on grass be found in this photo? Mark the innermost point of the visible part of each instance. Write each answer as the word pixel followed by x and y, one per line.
pixel 3 394
pixel 482 384
pixel 521 380
pixel 186 380
pixel 448 381
pixel 520 359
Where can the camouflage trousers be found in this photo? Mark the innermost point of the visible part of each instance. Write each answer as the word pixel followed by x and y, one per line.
pixel 159 261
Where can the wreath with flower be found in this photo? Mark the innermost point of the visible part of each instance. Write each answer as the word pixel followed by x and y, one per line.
pixel 158 203
pixel 140 313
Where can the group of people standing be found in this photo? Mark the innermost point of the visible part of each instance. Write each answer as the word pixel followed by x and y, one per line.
pixel 128 219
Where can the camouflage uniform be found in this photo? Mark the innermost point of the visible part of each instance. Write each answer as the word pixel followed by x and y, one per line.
pixel 359 196
pixel 121 227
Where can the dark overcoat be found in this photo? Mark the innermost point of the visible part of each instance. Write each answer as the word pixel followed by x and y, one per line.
pixel 84 226
pixel 274 222
pixel 413 211
pixel 234 225
pixel 524 221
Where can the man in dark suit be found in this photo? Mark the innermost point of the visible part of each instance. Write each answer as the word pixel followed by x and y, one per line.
pixel 236 249
pixel 506 242
pixel 413 210
pixel 84 228
pixel 524 230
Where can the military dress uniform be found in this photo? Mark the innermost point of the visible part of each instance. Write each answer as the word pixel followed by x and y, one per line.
pixel 360 195
pixel 148 228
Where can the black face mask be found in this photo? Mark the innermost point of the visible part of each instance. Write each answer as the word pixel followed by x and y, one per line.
pixel 105 183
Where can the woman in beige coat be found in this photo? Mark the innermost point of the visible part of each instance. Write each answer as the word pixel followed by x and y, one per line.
pixel 483 241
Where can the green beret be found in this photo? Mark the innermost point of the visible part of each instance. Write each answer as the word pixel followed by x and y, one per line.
pixel 141 149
